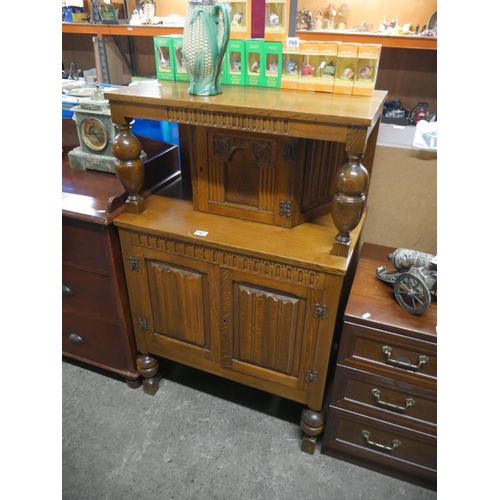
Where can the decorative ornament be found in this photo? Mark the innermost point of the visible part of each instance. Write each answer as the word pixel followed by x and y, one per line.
pixel 206 35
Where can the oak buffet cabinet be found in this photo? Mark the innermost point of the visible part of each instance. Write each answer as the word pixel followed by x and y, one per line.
pixel 236 268
pixel 382 409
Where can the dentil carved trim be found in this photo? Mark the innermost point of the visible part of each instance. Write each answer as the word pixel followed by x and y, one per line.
pixel 263 267
pixel 235 122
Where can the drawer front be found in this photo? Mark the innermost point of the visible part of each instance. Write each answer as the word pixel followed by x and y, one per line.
pixel 88 293
pixel 384 445
pixel 386 399
pixel 83 244
pixel 389 354
pixel 97 342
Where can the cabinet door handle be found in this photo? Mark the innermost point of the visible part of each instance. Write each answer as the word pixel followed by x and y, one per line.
pixel 391 406
pixel 76 339
pixel 67 291
pixel 396 443
pixel 422 360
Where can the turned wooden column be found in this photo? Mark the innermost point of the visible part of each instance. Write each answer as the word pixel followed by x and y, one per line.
pixel 349 200
pixel 148 367
pixel 129 166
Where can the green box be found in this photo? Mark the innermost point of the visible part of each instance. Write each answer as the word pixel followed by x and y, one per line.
pixel 180 71
pixel 273 54
pixel 255 70
pixel 235 63
pixel 163 57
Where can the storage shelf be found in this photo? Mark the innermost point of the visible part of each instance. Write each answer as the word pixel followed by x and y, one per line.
pixel 392 41
pixel 120 29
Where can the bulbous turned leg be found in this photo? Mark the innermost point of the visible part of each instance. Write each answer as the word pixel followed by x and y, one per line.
pixel 148 368
pixel 349 199
pixel 129 167
pixel 312 423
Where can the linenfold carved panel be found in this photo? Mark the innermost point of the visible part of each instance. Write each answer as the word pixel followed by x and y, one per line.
pixel 263 267
pixel 267 330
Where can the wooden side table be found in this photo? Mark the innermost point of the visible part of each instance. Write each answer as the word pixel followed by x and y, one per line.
pixel 382 410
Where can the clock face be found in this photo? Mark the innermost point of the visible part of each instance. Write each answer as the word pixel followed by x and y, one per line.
pixel 94 134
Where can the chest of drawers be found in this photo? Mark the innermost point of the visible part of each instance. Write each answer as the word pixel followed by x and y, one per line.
pixel 382 409
pixel 96 322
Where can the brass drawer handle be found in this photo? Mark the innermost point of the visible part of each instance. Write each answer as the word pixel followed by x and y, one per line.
pixel 67 291
pixel 76 339
pixel 396 443
pixel 422 360
pixel 391 406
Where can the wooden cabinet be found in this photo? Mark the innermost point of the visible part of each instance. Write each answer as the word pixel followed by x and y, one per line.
pixel 96 321
pixel 219 287
pixel 246 301
pixel 382 411
pixel 279 180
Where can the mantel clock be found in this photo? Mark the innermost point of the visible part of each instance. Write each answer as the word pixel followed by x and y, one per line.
pixel 96 132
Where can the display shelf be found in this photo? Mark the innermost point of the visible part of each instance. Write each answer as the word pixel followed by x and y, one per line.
pixel 120 29
pixel 393 41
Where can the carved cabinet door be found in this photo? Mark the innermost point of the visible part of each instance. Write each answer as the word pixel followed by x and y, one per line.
pixel 177 307
pixel 269 331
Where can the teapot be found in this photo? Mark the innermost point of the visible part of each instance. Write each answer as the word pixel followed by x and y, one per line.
pixel 419 112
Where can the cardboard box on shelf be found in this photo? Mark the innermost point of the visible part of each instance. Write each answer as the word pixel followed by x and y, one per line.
pixel 365 78
pixel 277 20
pixel 290 67
pixel 273 61
pixel 254 49
pixel 235 63
pixel 180 72
pixel 309 64
pixel 347 59
pixel 241 20
pixel 327 59
pixel 163 47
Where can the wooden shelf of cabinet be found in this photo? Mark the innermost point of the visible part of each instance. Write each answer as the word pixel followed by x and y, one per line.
pixel 119 29
pixel 392 41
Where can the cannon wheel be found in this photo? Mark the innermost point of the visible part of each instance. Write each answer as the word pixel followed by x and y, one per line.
pixel 411 293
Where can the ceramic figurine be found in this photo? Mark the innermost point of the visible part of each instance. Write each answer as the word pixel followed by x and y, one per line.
pixel 237 66
pixel 255 67
pixel 306 70
pixel 365 72
pixel 329 70
pixel 274 19
pixel 348 73
pixel 237 18
pixel 273 67
pixel 291 67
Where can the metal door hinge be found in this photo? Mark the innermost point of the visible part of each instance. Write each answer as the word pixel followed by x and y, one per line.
pixel 143 323
pixel 320 311
pixel 311 376
pixel 133 263
pixel 286 208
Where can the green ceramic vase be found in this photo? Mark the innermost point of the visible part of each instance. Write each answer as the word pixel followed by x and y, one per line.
pixel 206 35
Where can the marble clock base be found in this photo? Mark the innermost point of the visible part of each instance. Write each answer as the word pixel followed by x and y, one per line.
pixel 86 161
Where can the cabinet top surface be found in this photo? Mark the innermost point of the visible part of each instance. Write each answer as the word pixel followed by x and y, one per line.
pixel 304 245
pixel 371 296
pixel 317 108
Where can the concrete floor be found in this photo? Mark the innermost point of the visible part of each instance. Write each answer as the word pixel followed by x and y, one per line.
pixel 200 437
